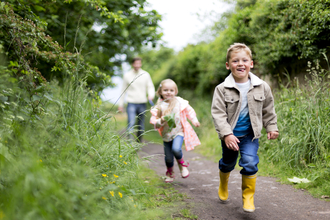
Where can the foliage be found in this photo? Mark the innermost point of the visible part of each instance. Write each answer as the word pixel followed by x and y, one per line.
pixel 100 30
pixel 303 112
pixel 156 60
pixel 186 65
pixel 61 157
pixel 170 118
pixel 303 149
pixel 69 162
pixel 28 47
pixel 283 35
pixel 286 31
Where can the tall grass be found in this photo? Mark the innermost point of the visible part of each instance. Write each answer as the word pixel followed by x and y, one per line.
pixel 69 161
pixel 303 147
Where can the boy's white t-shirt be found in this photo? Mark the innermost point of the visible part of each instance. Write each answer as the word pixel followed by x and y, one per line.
pixel 243 125
pixel 178 130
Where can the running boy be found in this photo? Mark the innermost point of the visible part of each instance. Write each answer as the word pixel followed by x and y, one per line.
pixel 241 106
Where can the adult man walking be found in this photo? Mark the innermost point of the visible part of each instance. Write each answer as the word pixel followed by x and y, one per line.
pixel 137 87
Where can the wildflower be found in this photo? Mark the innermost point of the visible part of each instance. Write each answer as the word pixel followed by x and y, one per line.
pixel 104 175
pixel 40 160
pixel 125 163
pixel 121 195
pixel 115 175
pixel 134 206
pixel 112 193
pixel 120 156
pixel 104 198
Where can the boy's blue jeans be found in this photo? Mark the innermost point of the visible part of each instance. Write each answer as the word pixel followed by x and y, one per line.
pixel 249 159
pixel 136 111
pixel 173 149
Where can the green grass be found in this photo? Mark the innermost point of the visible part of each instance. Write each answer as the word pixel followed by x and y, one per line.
pixel 186 214
pixel 70 162
pixel 164 199
pixel 303 147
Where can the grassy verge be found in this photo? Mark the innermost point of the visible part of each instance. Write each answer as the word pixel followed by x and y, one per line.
pixel 162 198
pixel 69 162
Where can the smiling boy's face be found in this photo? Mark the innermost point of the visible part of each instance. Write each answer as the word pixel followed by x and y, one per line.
pixel 240 64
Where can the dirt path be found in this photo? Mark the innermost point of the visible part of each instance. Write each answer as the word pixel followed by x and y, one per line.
pixel 272 200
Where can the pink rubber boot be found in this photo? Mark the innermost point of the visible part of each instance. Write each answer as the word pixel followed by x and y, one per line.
pixel 183 168
pixel 169 175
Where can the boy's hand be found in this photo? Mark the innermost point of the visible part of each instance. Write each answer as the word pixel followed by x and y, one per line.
pixel 231 142
pixel 272 135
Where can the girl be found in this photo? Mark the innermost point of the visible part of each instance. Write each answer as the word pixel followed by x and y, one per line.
pixel 170 104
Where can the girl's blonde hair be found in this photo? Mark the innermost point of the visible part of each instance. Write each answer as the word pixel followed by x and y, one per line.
pixel 172 102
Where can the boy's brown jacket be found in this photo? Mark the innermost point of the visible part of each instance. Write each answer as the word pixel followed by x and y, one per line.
pixel 226 105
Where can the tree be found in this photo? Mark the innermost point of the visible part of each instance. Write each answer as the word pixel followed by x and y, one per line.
pixel 25 47
pixel 124 26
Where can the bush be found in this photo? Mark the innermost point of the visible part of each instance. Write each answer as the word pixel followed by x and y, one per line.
pixel 303 112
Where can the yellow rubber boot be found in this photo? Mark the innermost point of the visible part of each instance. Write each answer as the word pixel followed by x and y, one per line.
pixel 248 189
pixel 223 186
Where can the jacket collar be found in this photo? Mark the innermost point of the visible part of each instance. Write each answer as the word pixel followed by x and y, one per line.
pixel 183 103
pixel 140 71
pixel 230 81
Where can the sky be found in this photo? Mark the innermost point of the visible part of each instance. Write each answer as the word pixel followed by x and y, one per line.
pixel 182 21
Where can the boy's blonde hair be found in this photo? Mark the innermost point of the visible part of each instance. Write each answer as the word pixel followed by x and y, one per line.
pixel 238 47
pixel 172 102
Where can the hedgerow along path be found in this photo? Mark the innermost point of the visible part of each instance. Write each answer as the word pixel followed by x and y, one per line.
pixel 272 199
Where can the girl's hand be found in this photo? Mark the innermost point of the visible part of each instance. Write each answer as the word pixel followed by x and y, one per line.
pixel 196 124
pixel 231 142
pixel 162 120
pixel 272 135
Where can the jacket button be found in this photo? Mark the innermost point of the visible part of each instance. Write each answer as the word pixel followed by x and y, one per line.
pixel 232 99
